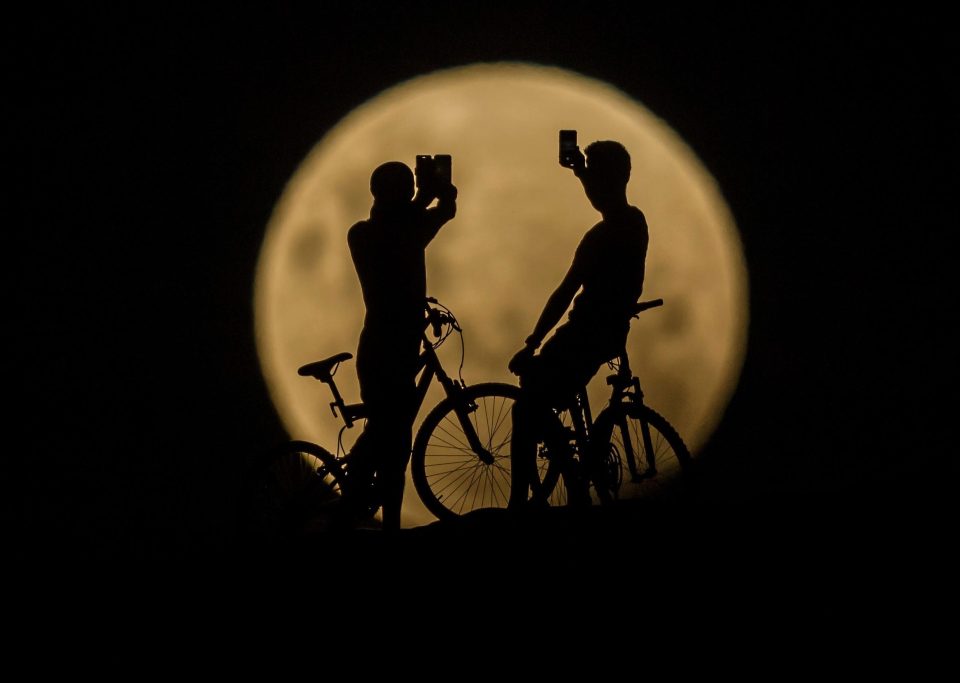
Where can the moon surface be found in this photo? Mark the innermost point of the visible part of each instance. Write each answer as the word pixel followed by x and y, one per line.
pixel 520 217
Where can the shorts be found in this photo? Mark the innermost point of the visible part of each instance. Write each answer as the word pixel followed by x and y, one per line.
pixel 569 360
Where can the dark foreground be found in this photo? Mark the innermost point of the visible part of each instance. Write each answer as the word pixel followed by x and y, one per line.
pixel 864 557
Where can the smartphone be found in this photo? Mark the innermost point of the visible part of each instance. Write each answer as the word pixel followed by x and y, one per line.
pixel 443 164
pixel 424 167
pixel 568 146
pixel 433 169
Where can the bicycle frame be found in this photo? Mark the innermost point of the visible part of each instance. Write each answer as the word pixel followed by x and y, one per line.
pixel 429 369
pixel 579 456
pixel 624 387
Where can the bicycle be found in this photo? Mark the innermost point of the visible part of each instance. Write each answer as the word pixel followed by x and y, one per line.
pixel 460 460
pixel 629 451
pixel 582 461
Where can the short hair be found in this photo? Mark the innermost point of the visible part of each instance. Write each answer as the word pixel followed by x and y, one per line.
pixel 392 182
pixel 609 160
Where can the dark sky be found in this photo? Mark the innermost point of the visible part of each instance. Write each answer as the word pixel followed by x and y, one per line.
pixel 150 148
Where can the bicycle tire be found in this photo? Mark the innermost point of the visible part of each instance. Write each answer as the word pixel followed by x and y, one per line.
pixel 449 477
pixel 624 424
pixel 671 458
pixel 289 490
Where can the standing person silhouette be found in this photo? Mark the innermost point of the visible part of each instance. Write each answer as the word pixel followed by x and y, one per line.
pixel 608 271
pixel 388 251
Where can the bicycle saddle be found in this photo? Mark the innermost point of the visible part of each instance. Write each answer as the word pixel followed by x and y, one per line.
pixel 321 369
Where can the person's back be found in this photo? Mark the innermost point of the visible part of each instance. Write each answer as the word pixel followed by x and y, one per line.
pixel 388 253
pixel 612 254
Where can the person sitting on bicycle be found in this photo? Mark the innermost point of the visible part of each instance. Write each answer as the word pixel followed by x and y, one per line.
pixel 388 254
pixel 607 271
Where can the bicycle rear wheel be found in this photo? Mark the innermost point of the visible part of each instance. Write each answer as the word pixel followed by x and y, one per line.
pixel 450 477
pixel 291 491
pixel 645 448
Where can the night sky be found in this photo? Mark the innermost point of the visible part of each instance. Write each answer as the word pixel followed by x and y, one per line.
pixel 150 148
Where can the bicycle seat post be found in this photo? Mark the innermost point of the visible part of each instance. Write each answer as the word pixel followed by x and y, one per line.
pixel 339 403
pixel 323 371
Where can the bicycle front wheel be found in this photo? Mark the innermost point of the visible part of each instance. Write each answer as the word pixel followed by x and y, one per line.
pixel 450 476
pixel 646 456
pixel 289 490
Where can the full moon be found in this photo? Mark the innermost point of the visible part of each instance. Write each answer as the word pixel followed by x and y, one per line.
pixel 520 216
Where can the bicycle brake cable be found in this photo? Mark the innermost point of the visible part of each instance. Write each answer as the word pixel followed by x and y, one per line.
pixel 451 322
pixel 463 355
pixel 455 325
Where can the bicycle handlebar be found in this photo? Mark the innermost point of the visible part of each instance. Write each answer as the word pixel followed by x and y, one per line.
pixel 438 317
pixel 641 306
pixel 436 322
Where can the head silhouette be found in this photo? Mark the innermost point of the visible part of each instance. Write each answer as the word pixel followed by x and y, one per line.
pixel 606 174
pixel 392 183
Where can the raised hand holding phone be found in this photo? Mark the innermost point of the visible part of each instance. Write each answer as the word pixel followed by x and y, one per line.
pixel 570 156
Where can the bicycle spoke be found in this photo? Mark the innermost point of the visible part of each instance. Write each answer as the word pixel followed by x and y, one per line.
pixel 449 467
pixel 465 489
pixel 477 489
pixel 463 495
pixel 444 451
pixel 451 477
pixel 464 461
pixel 451 500
pixel 503 496
pixel 459 474
pixel 470 486
pixel 501 417
pixel 496 490
pixel 487 415
pixel 464 452
pixel 506 439
pixel 473 486
pixel 451 434
pixel 499 446
pixel 439 476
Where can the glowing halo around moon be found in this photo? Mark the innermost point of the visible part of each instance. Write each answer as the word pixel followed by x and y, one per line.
pixel 520 217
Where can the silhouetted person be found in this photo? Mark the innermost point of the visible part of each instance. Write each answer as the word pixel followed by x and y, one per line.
pixel 388 253
pixel 607 270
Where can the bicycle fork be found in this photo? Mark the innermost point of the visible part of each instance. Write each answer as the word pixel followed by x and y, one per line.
pixel 463 409
pixel 622 391
pixel 651 469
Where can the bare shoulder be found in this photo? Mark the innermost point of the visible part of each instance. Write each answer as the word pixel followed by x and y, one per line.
pixel 357 232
